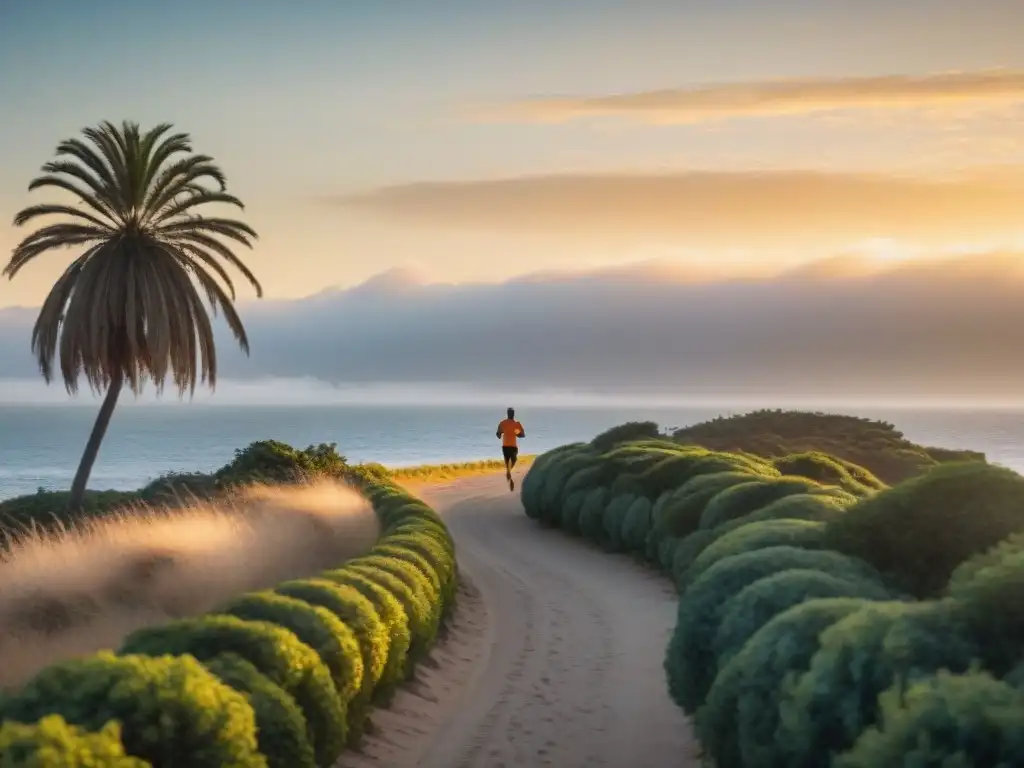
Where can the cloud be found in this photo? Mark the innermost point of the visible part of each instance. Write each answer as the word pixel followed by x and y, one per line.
pixel 716 209
pixel 777 97
pixel 944 327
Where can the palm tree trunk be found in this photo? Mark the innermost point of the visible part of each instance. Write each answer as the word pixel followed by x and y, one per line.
pixel 92 448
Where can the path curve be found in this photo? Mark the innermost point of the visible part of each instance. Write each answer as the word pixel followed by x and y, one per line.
pixel 555 657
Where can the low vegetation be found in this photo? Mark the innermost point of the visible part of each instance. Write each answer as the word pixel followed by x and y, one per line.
pixel 256 625
pixel 265 462
pixel 824 617
pixel 875 446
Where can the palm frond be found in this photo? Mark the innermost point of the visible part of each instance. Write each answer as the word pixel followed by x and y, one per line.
pixel 133 304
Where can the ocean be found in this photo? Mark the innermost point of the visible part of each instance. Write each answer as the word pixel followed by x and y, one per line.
pixel 40 445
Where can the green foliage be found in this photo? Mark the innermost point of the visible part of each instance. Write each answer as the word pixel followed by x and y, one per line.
pixel 280 726
pixel 965 573
pixel 759 602
pixel 557 475
pixel 396 623
pixel 636 524
pixel 532 487
pixel 753 536
pixel 738 721
pixel 631 430
pixel 614 515
pixel 418 612
pixel 918 532
pixel 48 510
pixel 167 707
pixel 348 605
pixel 742 499
pixel 881 645
pixel 680 515
pixel 177 487
pixel 827 470
pixel 967 721
pixel 276 652
pixel 592 515
pixel 881 451
pixel 52 743
pixel 991 600
pixel 690 661
pixel 270 461
pixel 317 627
pixel 571 510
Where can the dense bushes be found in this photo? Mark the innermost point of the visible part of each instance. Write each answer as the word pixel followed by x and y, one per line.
pixel 824 619
pixel 918 532
pixel 868 449
pixel 52 742
pixel 280 678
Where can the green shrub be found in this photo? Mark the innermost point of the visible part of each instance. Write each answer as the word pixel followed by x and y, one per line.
pixel 422 628
pixel 48 510
pixel 357 612
pixel 582 480
pixel 276 652
pixel 396 622
pixel 883 644
pixel 592 515
pixel 970 721
pixel 571 510
pixel 270 461
pixel 690 661
pixel 612 520
pixel 754 536
pixel 171 710
pixel 742 499
pixel 321 630
pixel 816 506
pixel 52 743
pixel 434 554
pixel 631 430
pixel 175 487
pixel 280 726
pixel 738 722
pixel 758 603
pixel 680 516
pixel 666 552
pixel 531 489
pixel 1006 549
pixel 991 600
pixel 671 471
pixel 557 474
pixel 828 471
pixel 918 532
pixel 635 525
pixel 687 551
pixel 433 589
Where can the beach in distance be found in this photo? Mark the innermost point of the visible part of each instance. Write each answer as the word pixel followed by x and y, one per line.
pixel 40 445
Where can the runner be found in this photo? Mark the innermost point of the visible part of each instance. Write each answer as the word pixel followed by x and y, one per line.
pixel 509 431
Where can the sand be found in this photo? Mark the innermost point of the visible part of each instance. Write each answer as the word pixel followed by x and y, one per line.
pixel 554 656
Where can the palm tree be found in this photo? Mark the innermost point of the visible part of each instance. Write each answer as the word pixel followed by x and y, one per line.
pixel 129 307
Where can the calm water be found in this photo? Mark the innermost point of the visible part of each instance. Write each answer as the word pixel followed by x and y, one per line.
pixel 41 445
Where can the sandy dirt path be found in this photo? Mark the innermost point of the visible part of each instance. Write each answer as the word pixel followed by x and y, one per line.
pixel 554 656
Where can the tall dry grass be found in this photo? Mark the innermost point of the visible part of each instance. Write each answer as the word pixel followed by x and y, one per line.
pixel 86 588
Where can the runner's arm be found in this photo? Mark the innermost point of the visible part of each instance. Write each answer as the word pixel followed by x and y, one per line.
pixel 522 432
pixel 497 434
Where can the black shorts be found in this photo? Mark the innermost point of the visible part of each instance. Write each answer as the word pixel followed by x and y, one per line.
pixel 510 452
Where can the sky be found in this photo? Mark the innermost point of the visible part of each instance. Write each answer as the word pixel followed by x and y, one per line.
pixel 478 142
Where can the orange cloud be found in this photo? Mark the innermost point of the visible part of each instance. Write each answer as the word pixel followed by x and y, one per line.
pixel 777 97
pixel 787 209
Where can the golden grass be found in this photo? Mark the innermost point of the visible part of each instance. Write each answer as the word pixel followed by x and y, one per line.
pixel 432 473
pixel 86 588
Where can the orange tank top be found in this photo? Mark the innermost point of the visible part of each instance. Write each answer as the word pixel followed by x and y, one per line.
pixel 510 429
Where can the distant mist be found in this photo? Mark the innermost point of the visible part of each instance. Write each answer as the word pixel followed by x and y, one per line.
pixel 948 329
